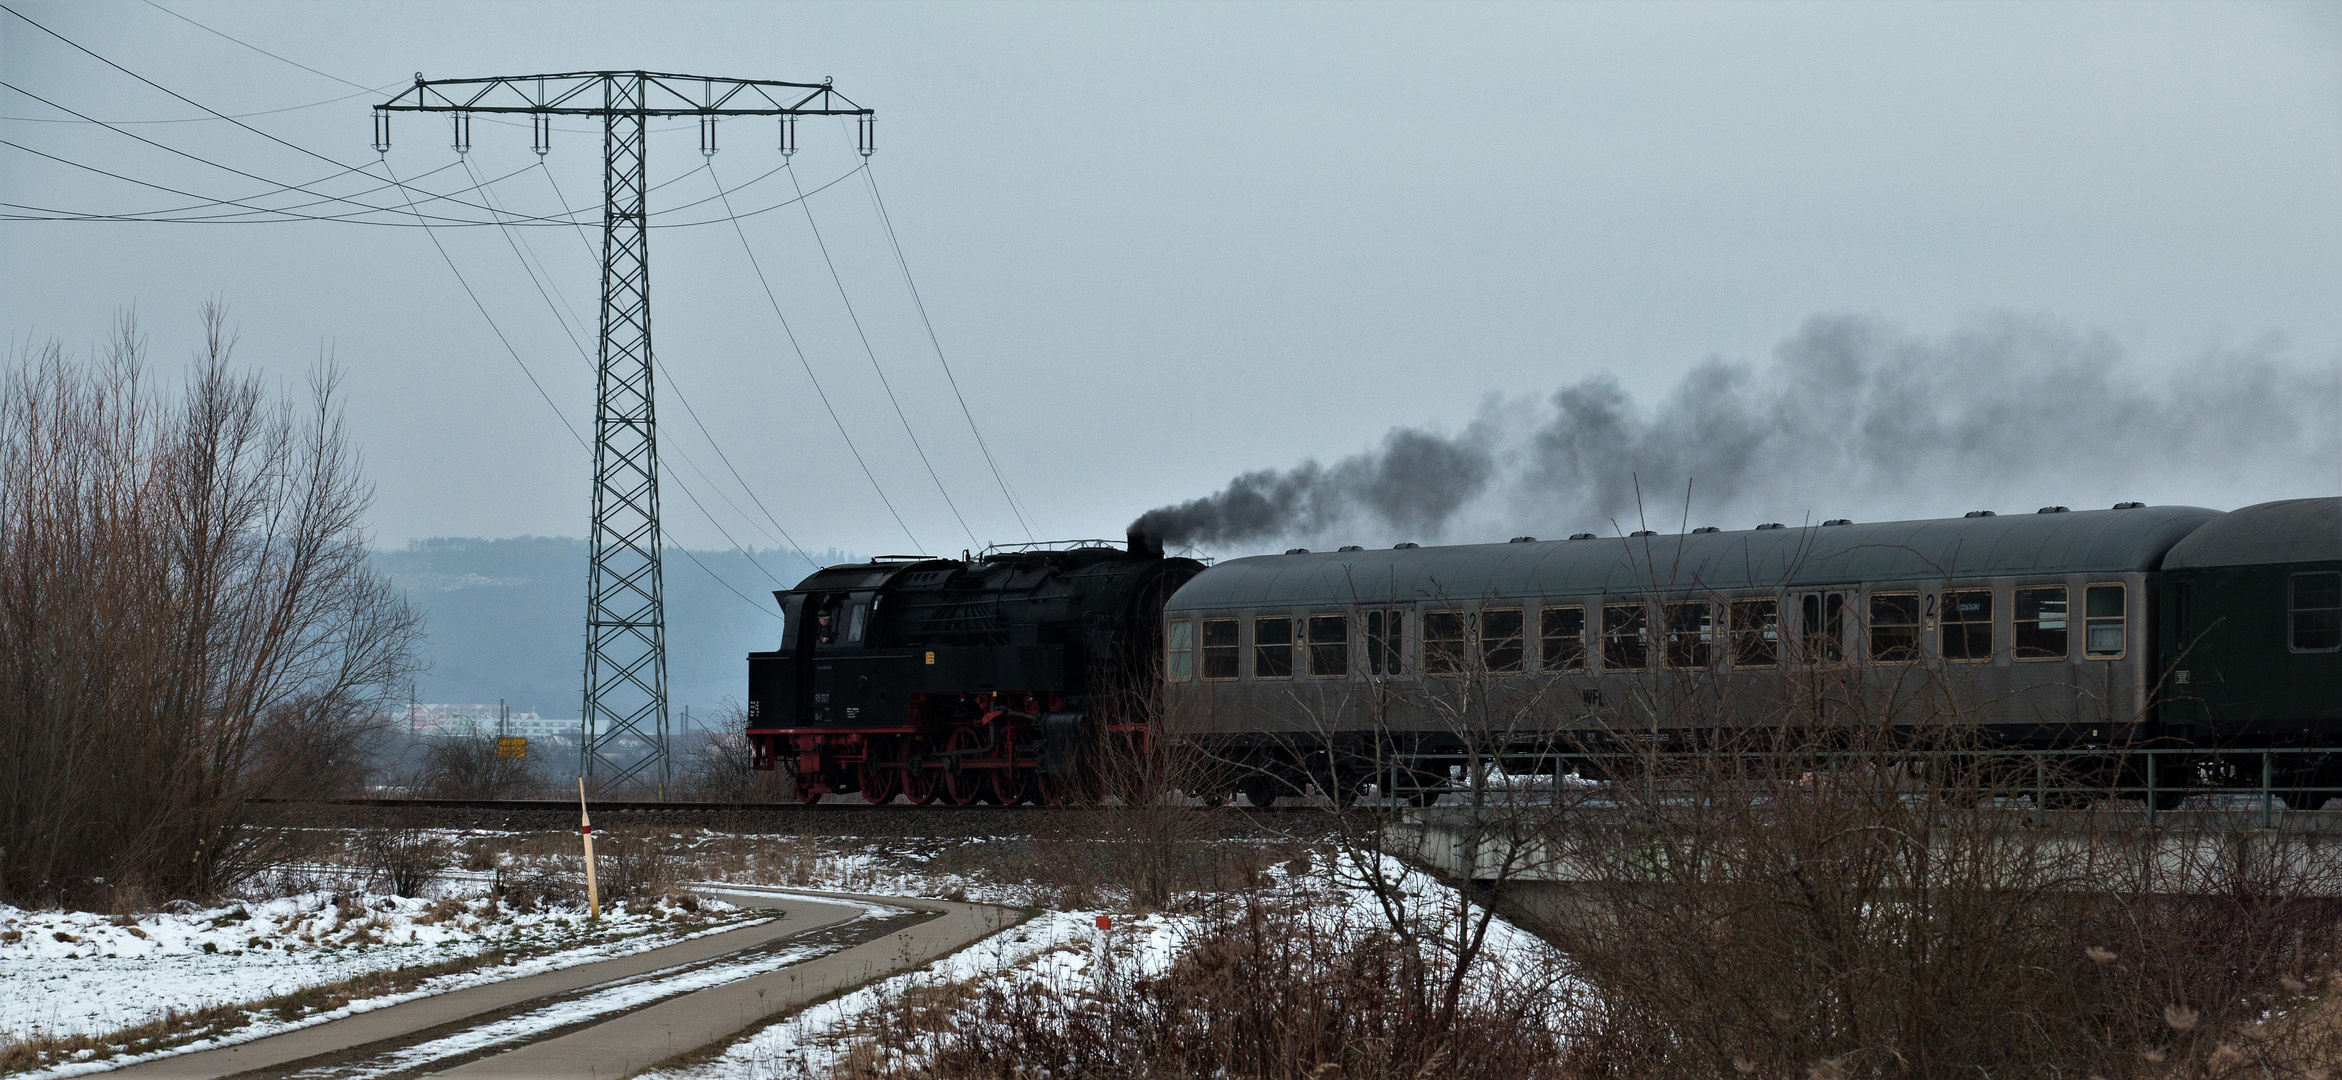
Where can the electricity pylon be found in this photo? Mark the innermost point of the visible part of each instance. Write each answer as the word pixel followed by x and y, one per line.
pixel 626 623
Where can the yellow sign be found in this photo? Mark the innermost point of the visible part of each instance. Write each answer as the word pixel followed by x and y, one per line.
pixel 930 657
pixel 512 748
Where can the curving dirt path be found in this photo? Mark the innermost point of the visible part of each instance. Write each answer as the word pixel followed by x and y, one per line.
pixel 616 1017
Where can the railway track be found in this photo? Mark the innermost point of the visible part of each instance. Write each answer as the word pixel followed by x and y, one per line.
pixel 843 818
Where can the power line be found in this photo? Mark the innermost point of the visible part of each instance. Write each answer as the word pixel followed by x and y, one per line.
pixel 557 413
pixel 256 48
pixel 870 179
pixel 799 349
pixel 679 396
pixel 874 364
pixel 198 119
pixel 541 284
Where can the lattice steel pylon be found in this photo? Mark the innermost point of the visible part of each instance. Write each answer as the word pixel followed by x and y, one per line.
pixel 626 624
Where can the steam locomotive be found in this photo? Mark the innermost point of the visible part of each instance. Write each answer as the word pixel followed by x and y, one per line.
pixel 989 679
pixel 982 679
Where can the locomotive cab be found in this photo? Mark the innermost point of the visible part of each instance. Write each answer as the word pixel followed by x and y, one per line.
pixel 971 679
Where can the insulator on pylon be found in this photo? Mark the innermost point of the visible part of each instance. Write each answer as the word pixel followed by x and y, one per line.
pixel 707 135
pixel 788 134
pixel 867 134
pixel 382 131
pixel 540 133
pixel 463 133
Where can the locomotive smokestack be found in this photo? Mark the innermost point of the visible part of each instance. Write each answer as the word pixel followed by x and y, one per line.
pixel 1144 544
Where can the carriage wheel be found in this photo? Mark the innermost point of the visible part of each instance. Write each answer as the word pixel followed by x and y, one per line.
pixel 809 789
pixel 1047 792
pixel 962 785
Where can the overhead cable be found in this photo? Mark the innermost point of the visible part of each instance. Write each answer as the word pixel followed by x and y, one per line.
pixel 870 179
pixel 823 245
pixel 799 349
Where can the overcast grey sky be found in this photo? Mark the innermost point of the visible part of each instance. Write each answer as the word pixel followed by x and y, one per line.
pixel 1167 244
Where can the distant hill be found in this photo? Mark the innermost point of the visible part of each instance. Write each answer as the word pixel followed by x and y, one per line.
pixel 506 619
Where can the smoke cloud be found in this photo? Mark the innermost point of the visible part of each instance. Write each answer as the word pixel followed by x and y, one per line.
pixel 1851 416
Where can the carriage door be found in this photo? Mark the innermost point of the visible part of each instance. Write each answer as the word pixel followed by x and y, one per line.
pixel 1821 625
pixel 822 627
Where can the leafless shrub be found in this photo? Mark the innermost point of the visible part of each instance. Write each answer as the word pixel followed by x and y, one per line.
pixel 720 766
pixel 634 866
pixel 403 858
pixel 187 618
pixel 1266 992
pixel 469 767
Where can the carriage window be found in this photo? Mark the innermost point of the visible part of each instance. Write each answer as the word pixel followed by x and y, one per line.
pixel 1894 628
pixel 1626 640
pixel 1443 642
pixel 1756 632
pixel 1329 646
pixel 1561 633
pixel 2314 612
pixel 2102 622
pixel 1500 640
pixel 2182 599
pixel 856 616
pixel 2041 623
pixel 1220 648
pixel 1272 647
pixel 1178 650
pixel 1822 627
pixel 1691 634
pixel 1384 634
pixel 1967 627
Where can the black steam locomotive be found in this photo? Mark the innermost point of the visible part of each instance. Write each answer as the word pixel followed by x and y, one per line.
pixel 984 679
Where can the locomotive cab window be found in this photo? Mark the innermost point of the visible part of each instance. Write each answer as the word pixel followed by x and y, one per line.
pixel 1329 646
pixel 1178 650
pixel 1756 632
pixel 2313 612
pixel 1220 648
pixel 1500 640
pixel 1385 633
pixel 1443 642
pixel 1272 647
pixel 2103 622
pixel 1966 631
pixel 2040 621
pixel 1561 637
pixel 1626 637
pixel 1894 628
pixel 1691 634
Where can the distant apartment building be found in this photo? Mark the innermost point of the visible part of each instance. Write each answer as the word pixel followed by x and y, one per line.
pixel 471 720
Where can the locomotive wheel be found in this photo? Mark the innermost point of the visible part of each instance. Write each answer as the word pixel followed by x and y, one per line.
pixel 1262 790
pixel 1047 792
pixel 963 785
pixel 880 782
pixel 810 790
pixel 1011 786
pixel 922 785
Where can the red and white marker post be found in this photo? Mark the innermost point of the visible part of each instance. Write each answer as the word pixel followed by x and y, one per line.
pixel 585 828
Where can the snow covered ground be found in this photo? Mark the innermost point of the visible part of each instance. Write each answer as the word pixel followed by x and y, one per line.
pixel 67 973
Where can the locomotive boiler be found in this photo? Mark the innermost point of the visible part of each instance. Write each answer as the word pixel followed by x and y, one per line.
pixel 991 678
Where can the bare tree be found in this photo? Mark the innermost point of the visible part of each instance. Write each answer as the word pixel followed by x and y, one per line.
pixel 187 618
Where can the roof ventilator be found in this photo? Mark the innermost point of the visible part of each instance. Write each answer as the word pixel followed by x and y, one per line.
pixel 1522 540
pixel 1706 529
pixel 2129 505
pixel 1980 513
pixel 1644 532
pixel 1404 545
pixel 1581 536
pixel 1839 521
pixel 1350 547
pixel 2053 510
pixel 1771 525
pixel 1296 551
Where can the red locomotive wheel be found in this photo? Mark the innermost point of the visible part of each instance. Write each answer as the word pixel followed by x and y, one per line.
pixel 810 789
pixel 923 785
pixel 962 786
pixel 1011 786
pixel 880 783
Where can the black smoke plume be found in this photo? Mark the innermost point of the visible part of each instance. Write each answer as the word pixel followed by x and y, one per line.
pixel 1851 416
